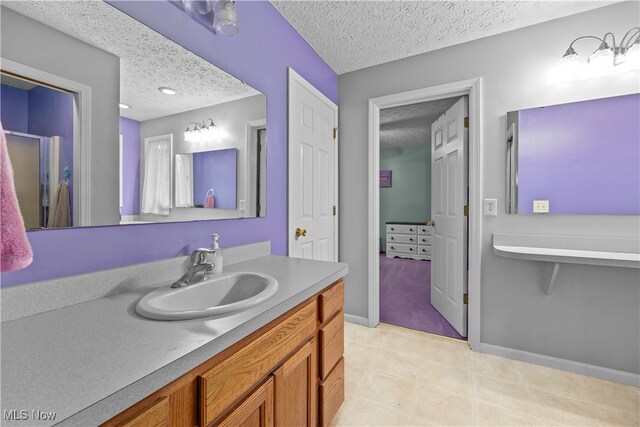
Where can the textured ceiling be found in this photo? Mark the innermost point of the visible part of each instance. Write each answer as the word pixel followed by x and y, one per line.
pixel 350 35
pixel 148 60
pixel 410 125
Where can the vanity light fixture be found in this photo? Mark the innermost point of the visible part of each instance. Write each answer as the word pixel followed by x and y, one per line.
pixel 606 59
pixel 202 131
pixel 167 90
pixel 225 18
pixel 124 106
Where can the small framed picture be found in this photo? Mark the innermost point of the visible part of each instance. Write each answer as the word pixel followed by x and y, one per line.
pixel 385 179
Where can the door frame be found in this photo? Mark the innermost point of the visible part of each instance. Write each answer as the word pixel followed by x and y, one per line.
pixel 473 89
pixel 81 172
pixel 293 76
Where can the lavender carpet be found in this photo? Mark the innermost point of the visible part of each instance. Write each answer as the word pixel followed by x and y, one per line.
pixel 405 297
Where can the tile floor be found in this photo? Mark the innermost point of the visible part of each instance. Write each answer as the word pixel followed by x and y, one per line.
pixel 398 377
pixel 405 297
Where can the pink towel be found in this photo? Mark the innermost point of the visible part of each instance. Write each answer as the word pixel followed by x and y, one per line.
pixel 15 249
pixel 210 200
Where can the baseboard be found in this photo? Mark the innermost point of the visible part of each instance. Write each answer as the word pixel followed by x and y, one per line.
pixel 562 364
pixel 358 320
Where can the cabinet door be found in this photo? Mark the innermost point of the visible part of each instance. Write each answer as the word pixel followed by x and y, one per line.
pixel 255 411
pixel 295 381
pixel 155 415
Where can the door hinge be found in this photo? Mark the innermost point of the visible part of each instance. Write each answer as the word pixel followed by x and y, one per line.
pixel 335 133
pixel 466 210
pixel 466 122
pixel 334 210
pixel 465 298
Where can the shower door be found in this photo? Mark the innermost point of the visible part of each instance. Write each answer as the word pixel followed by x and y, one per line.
pixel 29 155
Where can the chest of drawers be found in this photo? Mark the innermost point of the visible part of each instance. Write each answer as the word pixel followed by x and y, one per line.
pixel 409 240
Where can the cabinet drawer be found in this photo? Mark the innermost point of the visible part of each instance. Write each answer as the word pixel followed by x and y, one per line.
pixel 408 239
pixel 331 344
pixel 425 230
pixel 401 229
pixel 228 381
pixel 424 240
pixel 424 250
pixel 331 301
pixel 156 415
pixel 404 249
pixel 332 394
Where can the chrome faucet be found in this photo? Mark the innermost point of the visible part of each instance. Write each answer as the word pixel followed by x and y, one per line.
pixel 198 267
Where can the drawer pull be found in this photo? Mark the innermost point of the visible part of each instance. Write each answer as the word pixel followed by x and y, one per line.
pixel 392 229
pixel 411 229
pixel 393 238
pixel 411 249
pixel 411 239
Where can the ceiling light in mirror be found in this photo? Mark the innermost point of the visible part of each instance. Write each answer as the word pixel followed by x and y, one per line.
pixel 167 90
pixel 124 106
pixel 225 18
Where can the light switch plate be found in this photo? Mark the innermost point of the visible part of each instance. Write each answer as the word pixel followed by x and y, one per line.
pixel 540 206
pixel 490 207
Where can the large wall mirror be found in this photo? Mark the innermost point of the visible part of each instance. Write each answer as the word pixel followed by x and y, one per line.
pixel 108 122
pixel 576 158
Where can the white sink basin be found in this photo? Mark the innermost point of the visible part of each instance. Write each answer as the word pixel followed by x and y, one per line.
pixel 220 294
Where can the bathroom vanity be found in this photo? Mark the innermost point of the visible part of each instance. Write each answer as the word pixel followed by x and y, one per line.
pixel 91 360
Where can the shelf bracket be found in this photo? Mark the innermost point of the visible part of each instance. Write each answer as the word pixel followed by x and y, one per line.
pixel 552 275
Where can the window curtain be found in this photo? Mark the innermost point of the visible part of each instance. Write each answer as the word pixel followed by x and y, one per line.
pixel 156 188
pixel 184 181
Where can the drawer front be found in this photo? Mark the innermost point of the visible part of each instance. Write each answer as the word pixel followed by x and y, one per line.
pixel 226 382
pixel 424 240
pixel 409 239
pixel 332 394
pixel 331 301
pixel 404 249
pixel 402 229
pixel 331 344
pixel 424 250
pixel 425 230
pixel 156 415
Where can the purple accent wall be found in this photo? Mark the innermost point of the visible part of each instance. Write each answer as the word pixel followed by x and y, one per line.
pixel 215 169
pixel 584 157
pixel 259 55
pixel 130 131
pixel 14 109
pixel 51 114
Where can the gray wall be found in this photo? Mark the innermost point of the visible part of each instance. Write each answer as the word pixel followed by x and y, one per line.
pixel 31 43
pixel 593 314
pixel 232 117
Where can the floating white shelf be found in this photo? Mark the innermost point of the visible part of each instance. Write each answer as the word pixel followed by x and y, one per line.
pixel 556 250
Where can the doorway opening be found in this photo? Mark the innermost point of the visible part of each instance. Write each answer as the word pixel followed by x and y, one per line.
pixel 444 235
pixel 408 136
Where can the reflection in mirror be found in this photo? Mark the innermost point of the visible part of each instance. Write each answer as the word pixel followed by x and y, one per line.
pixel 577 158
pixel 186 142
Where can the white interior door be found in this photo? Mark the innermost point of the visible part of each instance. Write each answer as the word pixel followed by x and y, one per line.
pixel 449 147
pixel 313 225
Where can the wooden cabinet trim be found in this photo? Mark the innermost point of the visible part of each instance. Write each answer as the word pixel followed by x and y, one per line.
pixel 331 337
pixel 331 301
pixel 156 415
pixel 260 400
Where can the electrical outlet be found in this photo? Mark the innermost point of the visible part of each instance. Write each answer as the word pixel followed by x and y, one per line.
pixel 491 207
pixel 540 206
pixel 241 205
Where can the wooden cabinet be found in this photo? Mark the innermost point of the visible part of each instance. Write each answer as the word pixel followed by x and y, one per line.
pixel 255 411
pixel 270 378
pixel 295 381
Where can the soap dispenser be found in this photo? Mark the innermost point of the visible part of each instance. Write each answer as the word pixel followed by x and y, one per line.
pixel 217 256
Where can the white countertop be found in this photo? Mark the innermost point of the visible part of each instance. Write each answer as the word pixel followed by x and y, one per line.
pixel 90 361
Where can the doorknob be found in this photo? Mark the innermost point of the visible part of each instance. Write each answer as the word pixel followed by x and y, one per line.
pixel 431 223
pixel 301 232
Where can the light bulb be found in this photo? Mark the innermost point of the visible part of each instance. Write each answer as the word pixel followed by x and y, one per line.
pixel 225 18
pixel 601 62
pixel 569 67
pixel 633 56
